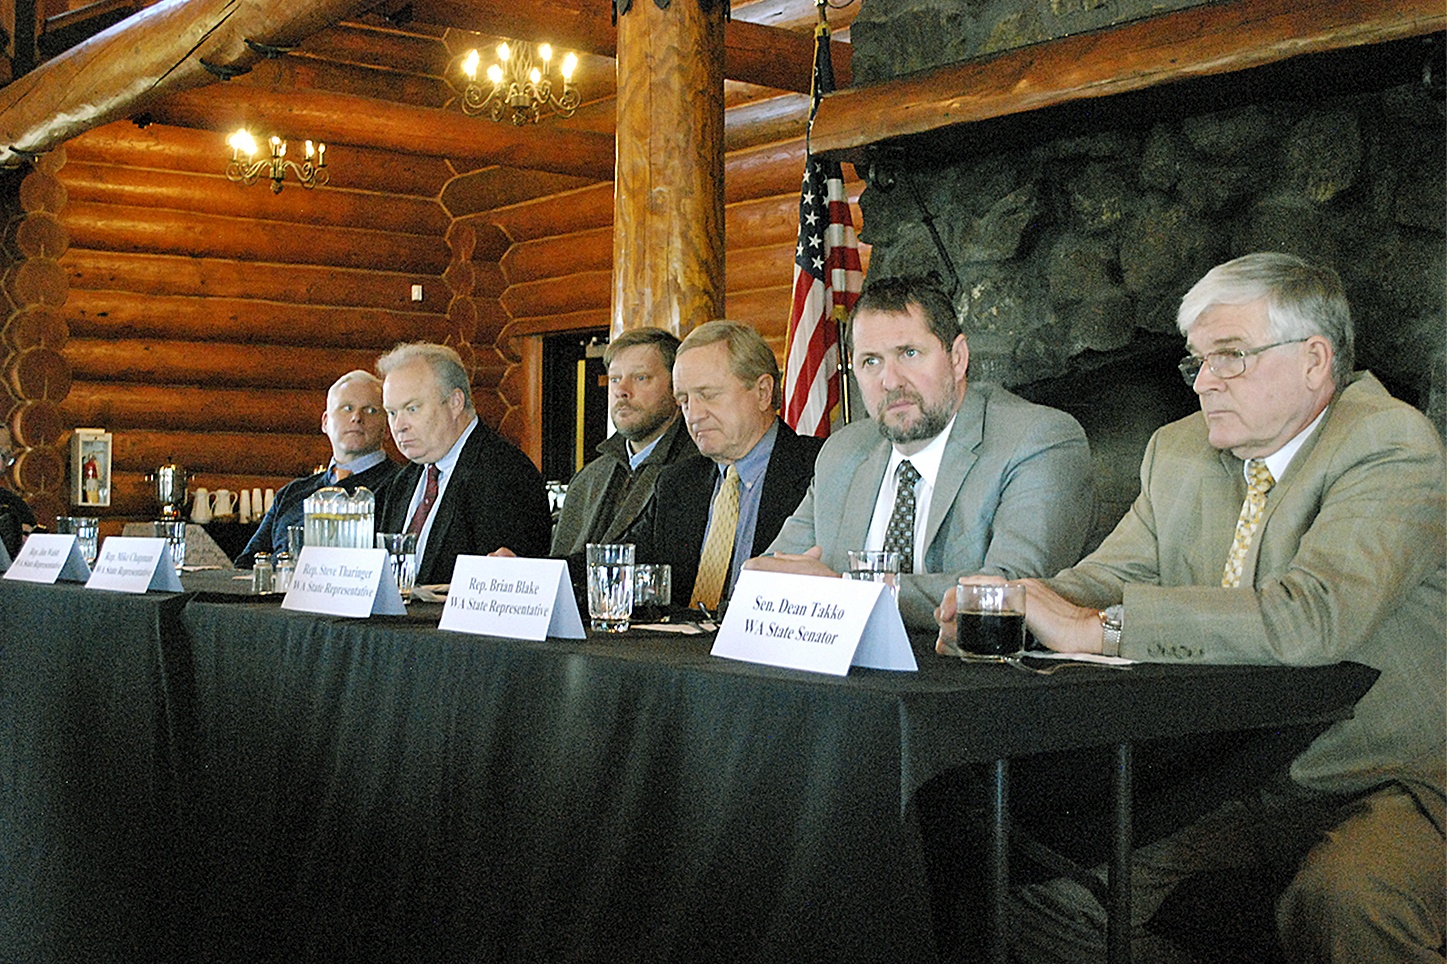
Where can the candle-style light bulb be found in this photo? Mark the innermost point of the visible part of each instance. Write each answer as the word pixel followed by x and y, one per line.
pixel 310 150
pixel 321 154
pixel 242 142
pixel 570 64
pixel 503 52
pixel 494 74
pixel 469 64
pixel 535 75
pixel 546 52
pixel 278 146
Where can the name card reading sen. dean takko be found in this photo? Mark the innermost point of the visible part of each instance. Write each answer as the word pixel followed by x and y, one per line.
pixel 512 597
pixel 344 582
pixel 814 623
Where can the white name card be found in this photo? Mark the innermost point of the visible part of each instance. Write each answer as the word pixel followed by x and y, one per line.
pixel 46 557
pixel 134 564
pixel 813 622
pixel 343 582
pixel 516 598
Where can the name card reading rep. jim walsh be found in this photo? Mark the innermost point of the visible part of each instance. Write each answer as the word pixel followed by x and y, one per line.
pixel 815 623
pixel 516 598
pixel 343 582
pixel 134 564
pixel 46 557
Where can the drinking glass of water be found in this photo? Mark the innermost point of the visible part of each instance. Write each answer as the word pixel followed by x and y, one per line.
pixel 610 586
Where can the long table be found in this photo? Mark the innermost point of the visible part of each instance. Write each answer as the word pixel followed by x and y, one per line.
pixel 380 790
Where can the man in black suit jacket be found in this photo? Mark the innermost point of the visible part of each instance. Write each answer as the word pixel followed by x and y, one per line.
pixel 354 423
pixel 726 380
pixel 466 490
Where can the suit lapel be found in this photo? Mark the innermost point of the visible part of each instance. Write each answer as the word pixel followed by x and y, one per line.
pixel 861 496
pixel 961 452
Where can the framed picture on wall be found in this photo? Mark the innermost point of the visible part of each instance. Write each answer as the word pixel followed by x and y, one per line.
pixel 90 467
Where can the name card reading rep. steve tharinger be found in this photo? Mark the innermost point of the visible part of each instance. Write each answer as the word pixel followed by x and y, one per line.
pixel 814 623
pixel 512 597
pixel 343 582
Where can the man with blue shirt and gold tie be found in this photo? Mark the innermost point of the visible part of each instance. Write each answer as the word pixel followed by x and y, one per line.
pixel 354 423
pixel 714 510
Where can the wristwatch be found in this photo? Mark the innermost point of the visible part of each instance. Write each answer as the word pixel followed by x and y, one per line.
pixel 1112 620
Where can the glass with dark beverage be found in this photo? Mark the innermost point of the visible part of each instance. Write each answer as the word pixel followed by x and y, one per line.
pixel 991 621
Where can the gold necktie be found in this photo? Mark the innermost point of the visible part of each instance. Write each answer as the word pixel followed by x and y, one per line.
pixel 1260 483
pixel 718 548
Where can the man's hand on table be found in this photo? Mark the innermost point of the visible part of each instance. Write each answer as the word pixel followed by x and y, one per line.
pixel 1055 621
pixel 806 564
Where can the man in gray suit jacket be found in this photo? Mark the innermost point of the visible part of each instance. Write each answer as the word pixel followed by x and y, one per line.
pixel 1298 520
pixel 996 484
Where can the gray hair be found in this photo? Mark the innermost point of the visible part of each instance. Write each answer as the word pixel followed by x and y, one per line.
pixel 1302 299
pixel 664 341
pixel 445 363
pixel 749 355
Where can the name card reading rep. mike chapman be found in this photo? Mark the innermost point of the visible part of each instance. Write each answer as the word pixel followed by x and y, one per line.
pixel 46 557
pixel 134 564
pixel 344 582
pixel 516 598
pixel 815 623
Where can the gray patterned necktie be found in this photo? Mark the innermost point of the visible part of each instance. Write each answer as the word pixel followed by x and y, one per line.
pixel 899 537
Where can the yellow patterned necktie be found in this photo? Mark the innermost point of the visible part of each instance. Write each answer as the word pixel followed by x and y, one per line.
pixel 1260 482
pixel 718 548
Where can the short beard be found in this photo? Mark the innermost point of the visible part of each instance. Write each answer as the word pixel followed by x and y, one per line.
pixel 931 422
pixel 646 428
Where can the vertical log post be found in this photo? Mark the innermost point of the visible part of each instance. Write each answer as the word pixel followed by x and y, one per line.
pixel 668 200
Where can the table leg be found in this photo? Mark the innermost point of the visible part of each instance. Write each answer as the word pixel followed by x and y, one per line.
pixel 998 886
pixel 1118 928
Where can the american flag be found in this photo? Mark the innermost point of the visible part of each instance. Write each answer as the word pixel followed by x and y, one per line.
pixel 827 279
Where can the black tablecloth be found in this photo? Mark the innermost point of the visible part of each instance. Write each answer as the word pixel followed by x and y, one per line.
pixel 93 856
pixel 209 777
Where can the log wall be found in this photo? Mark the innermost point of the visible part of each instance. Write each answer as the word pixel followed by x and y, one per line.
pixel 201 321
pixel 206 319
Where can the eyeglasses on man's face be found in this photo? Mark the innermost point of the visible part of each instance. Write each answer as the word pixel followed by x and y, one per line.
pixel 1226 363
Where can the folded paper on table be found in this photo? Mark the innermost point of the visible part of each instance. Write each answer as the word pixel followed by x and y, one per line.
pixel 512 597
pixel 344 582
pixel 46 557
pixel 134 564
pixel 814 623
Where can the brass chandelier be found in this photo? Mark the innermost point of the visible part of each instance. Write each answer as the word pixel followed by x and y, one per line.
pixel 520 85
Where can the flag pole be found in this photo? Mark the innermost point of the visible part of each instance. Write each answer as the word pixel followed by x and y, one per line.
pixel 822 35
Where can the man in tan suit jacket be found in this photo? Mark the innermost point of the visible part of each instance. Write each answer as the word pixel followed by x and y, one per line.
pixel 1344 561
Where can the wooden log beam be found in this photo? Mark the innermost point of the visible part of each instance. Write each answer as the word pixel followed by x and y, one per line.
pixel 122 405
pixel 228 452
pixel 495 187
pixel 123 314
pixel 201 151
pixel 753 52
pixel 111 184
pixel 345 119
pixel 185 363
pixel 298 285
pixel 118 227
pixel 161 49
pixel 1203 41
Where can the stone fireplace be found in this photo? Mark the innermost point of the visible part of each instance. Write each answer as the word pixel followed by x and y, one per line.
pixel 1074 242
